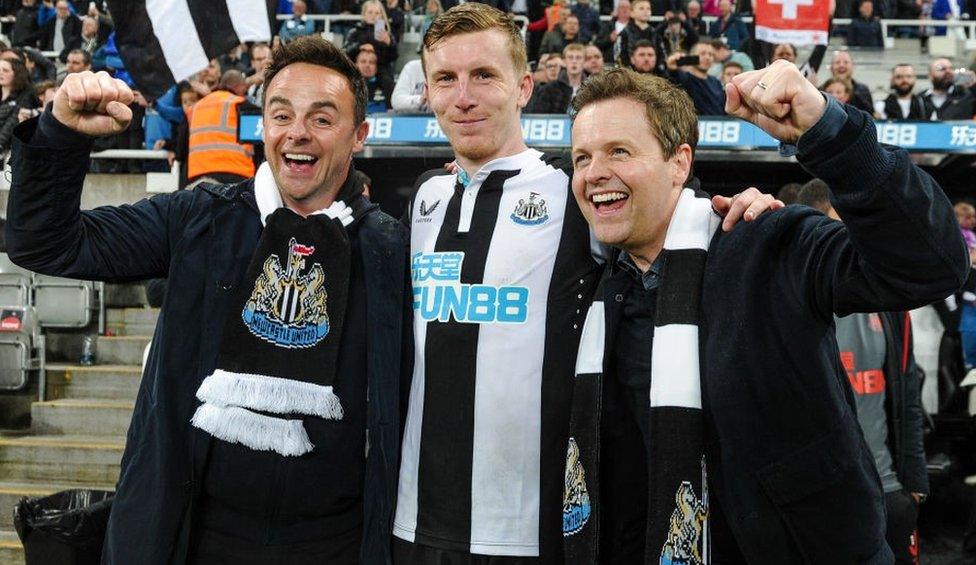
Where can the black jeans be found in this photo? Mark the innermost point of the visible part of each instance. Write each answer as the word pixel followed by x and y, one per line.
pixel 902 526
pixel 208 547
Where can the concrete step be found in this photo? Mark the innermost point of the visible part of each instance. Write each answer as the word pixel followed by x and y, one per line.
pixel 11 552
pixel 86 416
pixel 70 459
pixel 12 492
pixel 131 321
pixel 111 382
pixel 109 350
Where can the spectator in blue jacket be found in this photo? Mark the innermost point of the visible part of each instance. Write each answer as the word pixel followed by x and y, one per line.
pixel 298 25
pixel 589 20
pixel 729 26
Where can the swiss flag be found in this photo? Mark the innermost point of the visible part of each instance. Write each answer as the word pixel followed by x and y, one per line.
pixel 801 22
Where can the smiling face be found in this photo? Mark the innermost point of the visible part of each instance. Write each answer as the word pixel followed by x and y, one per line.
pixel 842 66
pixel 477 94
pixel 6 73
pixel 310 134
pixel 623 183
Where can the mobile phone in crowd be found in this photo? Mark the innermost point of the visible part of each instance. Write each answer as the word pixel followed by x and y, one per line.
pixel 379 26
pixel 689 61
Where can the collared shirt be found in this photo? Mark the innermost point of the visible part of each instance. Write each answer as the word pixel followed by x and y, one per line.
pixel 651 278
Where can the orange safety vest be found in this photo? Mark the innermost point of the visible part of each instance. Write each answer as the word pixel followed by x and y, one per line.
pixel 213 138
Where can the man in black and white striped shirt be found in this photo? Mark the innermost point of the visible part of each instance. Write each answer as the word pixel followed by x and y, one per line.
pixel 502 274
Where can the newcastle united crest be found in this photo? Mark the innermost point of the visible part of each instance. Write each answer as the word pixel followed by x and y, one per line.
pixel 288 305
pixel 576 499
pixel 531 213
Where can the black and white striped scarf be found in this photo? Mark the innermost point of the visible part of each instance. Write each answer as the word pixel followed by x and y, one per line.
pixel 677 525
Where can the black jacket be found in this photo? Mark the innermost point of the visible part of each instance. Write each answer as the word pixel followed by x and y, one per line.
pixel 960 104
pixel 202 241
pixel 69 31
pixel 26 32
pixel 632 34
pixel 361 34
pixel 553 97
pixel 787 462
pixel 864 33
pixel 916 108
pixel 903 403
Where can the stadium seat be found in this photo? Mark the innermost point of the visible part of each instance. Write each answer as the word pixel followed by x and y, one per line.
pixel 15 283
pixel 21 347
pixel 63 303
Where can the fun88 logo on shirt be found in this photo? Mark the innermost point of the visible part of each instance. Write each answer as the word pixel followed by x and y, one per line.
pixel 438 293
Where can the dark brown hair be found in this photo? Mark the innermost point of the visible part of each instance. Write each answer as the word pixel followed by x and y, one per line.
pixel 668 108
pixel 314 50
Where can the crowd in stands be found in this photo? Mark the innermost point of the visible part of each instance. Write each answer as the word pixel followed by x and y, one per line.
pixel 567 41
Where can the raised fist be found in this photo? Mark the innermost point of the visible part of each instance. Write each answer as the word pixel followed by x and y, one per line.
pixel 778 99
pixel 93 103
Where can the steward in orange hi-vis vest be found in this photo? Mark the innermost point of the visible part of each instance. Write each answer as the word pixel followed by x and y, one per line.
pixel 213 138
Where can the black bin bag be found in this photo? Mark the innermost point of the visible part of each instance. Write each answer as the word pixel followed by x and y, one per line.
pixel 66 528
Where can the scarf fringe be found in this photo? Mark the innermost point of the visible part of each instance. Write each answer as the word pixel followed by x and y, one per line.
pixel 257 431
pixel 270 394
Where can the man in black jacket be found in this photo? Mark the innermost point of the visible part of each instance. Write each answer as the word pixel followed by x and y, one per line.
pixel 902 103
pixel 842 67
pixel 61 30
pixel 947 100
pixel 211 469
pixel 26 32
pixel 715 352
pixel 554 97
pixel 876 353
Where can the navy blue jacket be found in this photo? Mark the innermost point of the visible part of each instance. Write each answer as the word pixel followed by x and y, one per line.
pixel 787 461
pixel 202 241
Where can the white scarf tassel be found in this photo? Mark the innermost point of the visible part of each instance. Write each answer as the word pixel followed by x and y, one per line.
pixel 270 394
pixel 257 431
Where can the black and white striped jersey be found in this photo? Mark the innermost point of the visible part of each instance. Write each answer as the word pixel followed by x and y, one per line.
pixel 502 275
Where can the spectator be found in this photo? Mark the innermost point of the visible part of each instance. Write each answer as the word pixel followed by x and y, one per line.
pixel 44 91
pixel 705 91
pixel 78 60
pixel 693 16
pixel 865 29
pixel 556 40
pixel 260 58
pixel 610 31
pixel 554 64
pixel 640 28
pixel 538 70
pixel 729 70
pixel 432 9
pixel 643 59
pixel 589 20
pixel 947 100
pixel 236 59
pixel 839 88
pixel 725 55
pixel 298 24
pixel 785 51
pixel 555 96
pixel 15 93
pixel 676 35
pixel 213 148
pixel 377 35
pixel 408 93
pixel 379 88
pixel 729 26
pixel 87 40
pixel 178 145
pixel 103 21
pixel 842 67
pixel 38 66
pixel 903 103
pixel 395 15
pixel 710 8
pixel 210 76
pixel 592 60
pixel 26 31
pixel 61 30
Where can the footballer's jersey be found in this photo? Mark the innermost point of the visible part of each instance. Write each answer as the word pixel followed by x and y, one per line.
pixel 502 275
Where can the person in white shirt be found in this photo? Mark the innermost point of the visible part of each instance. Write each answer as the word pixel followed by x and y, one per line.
pixel 408 93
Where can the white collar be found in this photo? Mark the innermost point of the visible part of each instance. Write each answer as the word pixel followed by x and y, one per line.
pixel 268 198
pixel 523 161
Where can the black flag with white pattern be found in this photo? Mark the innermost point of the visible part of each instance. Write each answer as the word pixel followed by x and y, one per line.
pixel 163 42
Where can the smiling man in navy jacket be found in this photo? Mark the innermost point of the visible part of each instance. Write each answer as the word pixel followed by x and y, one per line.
pixel 709 387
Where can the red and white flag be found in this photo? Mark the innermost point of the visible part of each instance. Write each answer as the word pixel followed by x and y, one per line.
pixel 801 22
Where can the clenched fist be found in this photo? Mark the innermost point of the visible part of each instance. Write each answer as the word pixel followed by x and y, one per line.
pixel 93 103
pixel 778 99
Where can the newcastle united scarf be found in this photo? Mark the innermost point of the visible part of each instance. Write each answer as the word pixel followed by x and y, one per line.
pixel 280 346
pixel 677 521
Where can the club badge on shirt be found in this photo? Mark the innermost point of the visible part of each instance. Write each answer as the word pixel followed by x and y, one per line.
pixel 532 212
pixel 576 499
